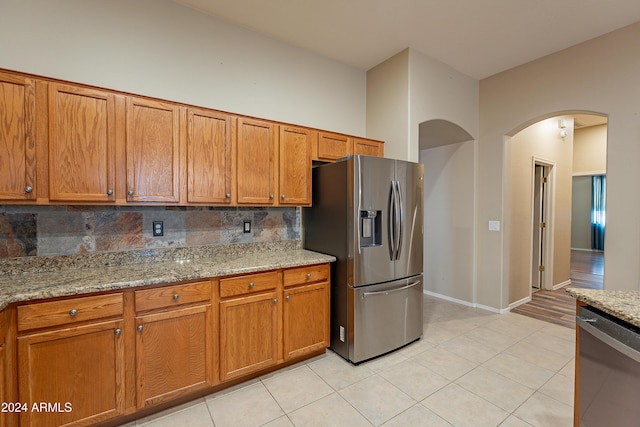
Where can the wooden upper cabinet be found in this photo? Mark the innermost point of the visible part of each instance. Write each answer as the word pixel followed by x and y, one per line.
pixel 81 144
pixel 256 161
pixel 210 137
pixel 294 176
pixel 17 138
pixel 368 147
pixel 332 146
pixel 152 151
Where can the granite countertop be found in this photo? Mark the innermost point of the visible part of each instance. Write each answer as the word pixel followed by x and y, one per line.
pixel 624 305
pixel 65 276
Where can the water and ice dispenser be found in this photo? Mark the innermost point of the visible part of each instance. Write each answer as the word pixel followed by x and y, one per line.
pixel 370 228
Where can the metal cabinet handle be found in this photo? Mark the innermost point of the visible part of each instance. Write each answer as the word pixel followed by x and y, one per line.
pixel 109 192
pixel 130 193
pixel 251 285
pixel 271 196
pixel 283 196
pixel 118 331
pixel 73 312
pixel 140 328
pixel 175 297
pixel 288 297
pixel 275 300
pixel 28 189
pixel 308 275
pixel 228 195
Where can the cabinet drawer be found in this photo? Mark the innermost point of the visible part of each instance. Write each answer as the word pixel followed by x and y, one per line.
pixel 172 295
pixel 309 274
pixel 68 311
pixel 248 284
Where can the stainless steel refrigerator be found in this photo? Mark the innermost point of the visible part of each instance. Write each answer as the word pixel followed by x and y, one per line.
pixel 368 213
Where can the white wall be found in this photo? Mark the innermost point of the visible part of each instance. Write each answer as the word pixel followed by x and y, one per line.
pixel 598 76
pixel 161 49
pixel 449 220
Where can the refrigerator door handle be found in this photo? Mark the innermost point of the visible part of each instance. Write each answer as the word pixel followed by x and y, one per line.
pixel 391 233
pixel 389 291
pixel 399 218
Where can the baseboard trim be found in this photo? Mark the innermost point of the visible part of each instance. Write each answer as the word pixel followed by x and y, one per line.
pixel 559 285
pixel 520 302
pixel 466 303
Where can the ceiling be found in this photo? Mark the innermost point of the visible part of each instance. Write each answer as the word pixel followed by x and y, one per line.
pixel 477 37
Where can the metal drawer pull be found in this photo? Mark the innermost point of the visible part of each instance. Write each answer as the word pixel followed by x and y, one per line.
pixel 118 331
pixel 140 328
pixel 73 312
pixel 28 189
pixel 109 192
pixel 175 297
pixel 251 285
pixel 275 300
pixel 130 193
pixel 308 275
pixel 366 294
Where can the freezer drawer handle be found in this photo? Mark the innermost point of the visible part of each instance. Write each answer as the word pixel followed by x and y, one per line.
pixel 387 292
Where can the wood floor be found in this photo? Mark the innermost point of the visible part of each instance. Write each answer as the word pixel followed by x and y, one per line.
pixel 587 269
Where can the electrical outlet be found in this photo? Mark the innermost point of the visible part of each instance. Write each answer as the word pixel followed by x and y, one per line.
pixel 247 227
pixel 158 228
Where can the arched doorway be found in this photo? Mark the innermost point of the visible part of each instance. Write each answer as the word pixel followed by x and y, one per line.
pixel 448 154
pixel 547 143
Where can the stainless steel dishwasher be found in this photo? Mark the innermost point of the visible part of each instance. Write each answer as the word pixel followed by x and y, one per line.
pixel 609 370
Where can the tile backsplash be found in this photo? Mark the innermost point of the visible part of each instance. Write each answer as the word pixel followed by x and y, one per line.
pixel 65 230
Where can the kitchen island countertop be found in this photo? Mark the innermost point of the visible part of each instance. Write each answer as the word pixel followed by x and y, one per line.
pixel 67 279
pixel 624 305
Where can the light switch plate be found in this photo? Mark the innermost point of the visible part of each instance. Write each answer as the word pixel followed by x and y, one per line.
pixel 494 225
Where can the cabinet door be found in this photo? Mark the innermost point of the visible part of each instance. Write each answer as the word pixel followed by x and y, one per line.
pixel 306 319
pixel 78 370
pixel 209 150
pixel 248 334
pixel 174 354
pixel 295 166
pixel 368 147
pixel 332 146
pixel 81 144
pixel 255 162
pixel 17 138
pixel 152 151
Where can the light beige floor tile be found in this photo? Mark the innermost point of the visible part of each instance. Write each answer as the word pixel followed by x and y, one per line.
pixel 416 347
pixel 517 330
pixel 283 421
pixel 538 356
pixel 417 416
pixel 567 334
pixel 560 388
pixel 414 379
pixel 195 416
pixel 569 370
pixel 552 343
pixel 521 371
pixel 495 388
pixel 445 363
pixel 528 322
pixel 170 411
pixel 286 388
pixel 514 421
pixel 543 411
pixel 463 408
pixel 377 399
pixel 383 362
pixel 492 338
pixel 339 373
pixel 331 410
pixel 248 406
pixel 469 349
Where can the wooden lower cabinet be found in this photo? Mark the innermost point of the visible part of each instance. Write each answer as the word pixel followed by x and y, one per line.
pixel 3 366
pixel 248 334
pixel 306 319
pixel 174 354
pixel 72 376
